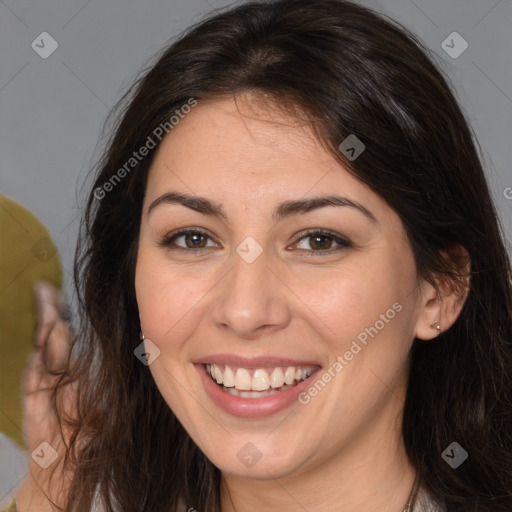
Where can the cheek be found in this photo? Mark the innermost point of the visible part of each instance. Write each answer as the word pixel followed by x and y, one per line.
pixel 344 302
pixel 169 302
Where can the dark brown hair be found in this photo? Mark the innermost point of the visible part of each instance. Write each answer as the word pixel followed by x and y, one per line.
pixel 352 72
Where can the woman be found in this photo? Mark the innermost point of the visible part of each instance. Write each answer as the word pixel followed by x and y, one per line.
pixel 293 283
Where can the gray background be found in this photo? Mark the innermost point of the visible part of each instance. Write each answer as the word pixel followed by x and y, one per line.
pixel 52 110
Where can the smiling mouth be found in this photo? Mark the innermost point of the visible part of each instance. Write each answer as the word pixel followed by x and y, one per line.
pixel 260 382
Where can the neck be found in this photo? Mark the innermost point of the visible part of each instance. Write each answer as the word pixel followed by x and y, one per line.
pixel 370 474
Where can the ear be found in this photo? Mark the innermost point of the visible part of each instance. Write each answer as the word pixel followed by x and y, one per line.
pixel 442 302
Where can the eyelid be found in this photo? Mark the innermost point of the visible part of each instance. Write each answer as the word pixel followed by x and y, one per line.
pixel 170 237
pixel 342 241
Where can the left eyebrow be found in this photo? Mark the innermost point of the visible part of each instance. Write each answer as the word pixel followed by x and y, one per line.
pixel 285 209
pixel 306 205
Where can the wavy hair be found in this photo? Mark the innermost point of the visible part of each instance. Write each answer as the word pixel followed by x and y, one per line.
pixel 351 71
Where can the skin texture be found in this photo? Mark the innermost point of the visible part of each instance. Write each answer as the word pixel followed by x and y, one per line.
pixel 343 450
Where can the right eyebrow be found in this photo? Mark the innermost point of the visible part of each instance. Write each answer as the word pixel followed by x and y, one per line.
pixel 198 204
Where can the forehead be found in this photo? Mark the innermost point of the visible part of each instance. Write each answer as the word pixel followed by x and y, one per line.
pixel 231 130
pixel 249 150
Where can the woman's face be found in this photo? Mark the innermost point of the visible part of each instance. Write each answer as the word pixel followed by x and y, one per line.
pixel 261 259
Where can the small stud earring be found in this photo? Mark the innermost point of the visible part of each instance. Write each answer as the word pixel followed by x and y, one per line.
pixel 436 326
pixel 141 336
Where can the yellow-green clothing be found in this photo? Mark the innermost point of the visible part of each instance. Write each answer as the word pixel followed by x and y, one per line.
pixel 27 255
pixel 12 507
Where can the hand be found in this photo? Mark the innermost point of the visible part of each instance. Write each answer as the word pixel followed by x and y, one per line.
pixel 39 493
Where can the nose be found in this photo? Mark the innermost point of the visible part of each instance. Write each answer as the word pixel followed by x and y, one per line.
pixel 251 301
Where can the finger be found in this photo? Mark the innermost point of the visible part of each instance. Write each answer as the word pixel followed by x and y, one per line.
pixel 52 334
pixel 57 348
pixel 47 310
pixel 38 386
pixel 38 423
pixel 39 420
pixel 35 376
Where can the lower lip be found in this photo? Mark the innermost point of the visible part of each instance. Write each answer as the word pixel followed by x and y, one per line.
pixel 251 407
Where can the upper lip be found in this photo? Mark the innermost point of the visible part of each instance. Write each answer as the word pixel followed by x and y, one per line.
pixel 254 362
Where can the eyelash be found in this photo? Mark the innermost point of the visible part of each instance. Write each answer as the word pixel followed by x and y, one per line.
pixel 341 241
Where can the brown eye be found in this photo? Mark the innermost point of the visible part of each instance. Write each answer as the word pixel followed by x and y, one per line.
pixel 188 239
pixel 193 240
pixel 320 242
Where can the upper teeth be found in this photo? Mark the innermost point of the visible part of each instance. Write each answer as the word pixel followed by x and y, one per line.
pixel 260 379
